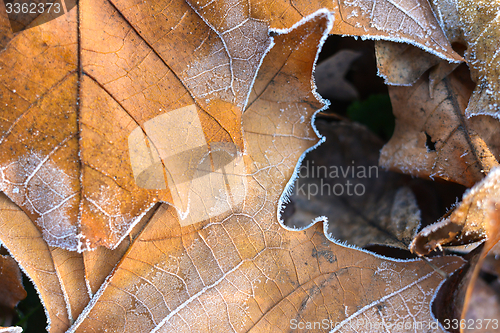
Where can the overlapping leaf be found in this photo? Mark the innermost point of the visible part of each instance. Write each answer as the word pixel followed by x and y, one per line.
pixel 434 138
pixel 481 26
pixel 234 270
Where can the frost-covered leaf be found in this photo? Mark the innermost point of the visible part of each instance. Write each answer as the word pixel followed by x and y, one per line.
pixel 410 21
pixel 11 329
pixel 402 64
pixel 58 274
pixel 237 270
pixel 480 22
pixel 80 95
pixel 434 138
pixel 475 219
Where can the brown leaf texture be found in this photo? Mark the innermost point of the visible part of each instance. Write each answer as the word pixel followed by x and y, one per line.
pixel 11 286
pixel 434 138
pixel 110 76
pixel 241 270
pixel 57 273
pixel 410 21
pixel 475 219
pixel 481 26
pixel 401 64
pixel 88 183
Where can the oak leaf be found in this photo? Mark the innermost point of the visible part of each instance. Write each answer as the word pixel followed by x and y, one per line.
pixel 113 63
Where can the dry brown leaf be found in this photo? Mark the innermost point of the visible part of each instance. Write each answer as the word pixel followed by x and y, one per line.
pixel 402 64
pixel 479 21
pixel 46 271
pixel 475 219
pixel 369 206
pixel 409 21
pixel 11 285
pixel 240 270
pixel 433 137
pixel 115 65
pixel 184 66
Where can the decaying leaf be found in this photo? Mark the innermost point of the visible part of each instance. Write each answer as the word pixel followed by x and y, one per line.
pixel 230 270
pixel 105 79
pixel 341 181
pixel 469 222
pixel 434 138
pixel 409 21
pixel 402 64
pixel 116 65
pixel 476 218
pixel 60 285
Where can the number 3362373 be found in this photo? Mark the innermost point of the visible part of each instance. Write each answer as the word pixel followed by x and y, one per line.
pixel 33 8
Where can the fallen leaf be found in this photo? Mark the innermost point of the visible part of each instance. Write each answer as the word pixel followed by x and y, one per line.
pixel 11 329
pixel 402 64
pixel 476 218
pixel 56 273
pixel 433 138
pixel 77 182
pixel 473 220
pixel 341 181
pixel 479 21
pixel 241 270
pixel 26 17
pixel 87 184
pixel 447 15
pixel 411 22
